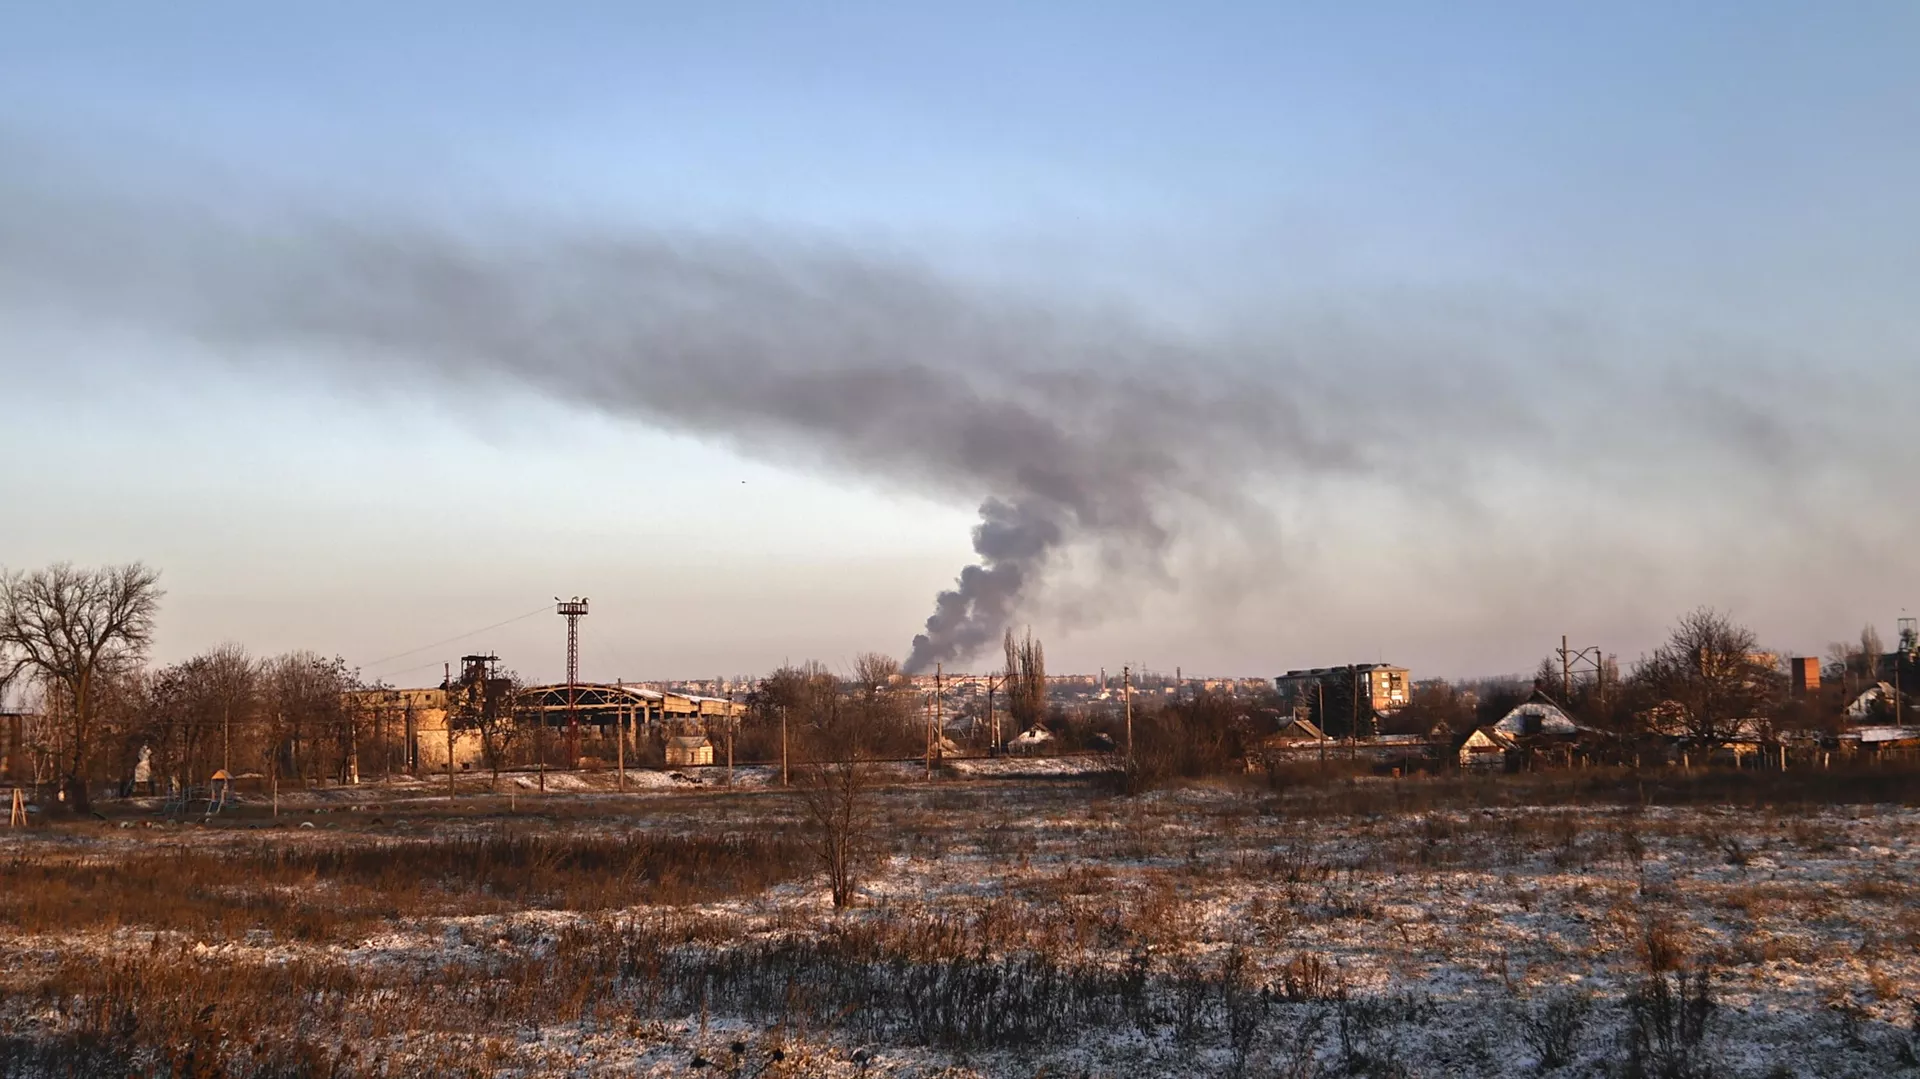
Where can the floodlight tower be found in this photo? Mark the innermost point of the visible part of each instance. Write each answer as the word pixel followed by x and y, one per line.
pixel 573 610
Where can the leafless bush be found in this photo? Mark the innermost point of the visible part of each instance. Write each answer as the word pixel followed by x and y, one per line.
pixel 1551 1026
pixel 1366 1027
pixel 1244 1004
pixel 1667 1026
pixel 1661 946
pixel 1308 977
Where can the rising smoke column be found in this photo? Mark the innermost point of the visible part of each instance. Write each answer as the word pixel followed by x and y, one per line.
pixel 1013 542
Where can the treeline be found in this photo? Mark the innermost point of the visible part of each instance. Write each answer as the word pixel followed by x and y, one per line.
pixel 73 645
pixel 1709 682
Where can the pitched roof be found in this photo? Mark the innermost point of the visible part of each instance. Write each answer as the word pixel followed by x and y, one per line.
pixel 1296 730
pixel 1537 716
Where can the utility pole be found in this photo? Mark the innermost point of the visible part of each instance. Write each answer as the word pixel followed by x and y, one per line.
pixel 1353 732
pixel 573 610
pixel 783 745
pixel 620 747
pixel 1909 651
pixel 1566 672
pixel 1126 695
pixel 993 718
pixel 1576 657
pixel 1320 713
pixel 939 709
pixel 447 680
pixel 729 738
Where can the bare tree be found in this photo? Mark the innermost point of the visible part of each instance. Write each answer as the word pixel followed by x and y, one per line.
pixel 310 716
pixel 884 699
pixel 836 775
pixel 483 700
pixel 1858 662
pixel 1025 681
pixel 1711 670
pixel 232 689
pixel 77 627
pixel 1435 704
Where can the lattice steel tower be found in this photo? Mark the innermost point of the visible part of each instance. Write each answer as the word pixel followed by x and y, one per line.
pixel 573 610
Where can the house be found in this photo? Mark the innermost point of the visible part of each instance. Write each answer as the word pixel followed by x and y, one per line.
pixel 1486 747
pixel 1874 703
pixel 1030 741
pixel 688 750
pixel 1538 716
pixel 1296 738
pixel 1295 732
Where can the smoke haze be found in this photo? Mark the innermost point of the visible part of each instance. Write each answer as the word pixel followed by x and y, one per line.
pixel 1088 435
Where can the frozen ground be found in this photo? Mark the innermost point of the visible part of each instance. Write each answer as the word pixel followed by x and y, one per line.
pixel 1017 928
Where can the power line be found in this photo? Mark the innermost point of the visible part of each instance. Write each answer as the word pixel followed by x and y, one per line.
pixel 542 609
pixel 409 670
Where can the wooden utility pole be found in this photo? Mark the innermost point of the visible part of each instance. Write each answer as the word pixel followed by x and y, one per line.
pixel 447 681
pixel 1126 693
pixel 939 711
pixel 1566 672
pixel 993 720
pixel 1353 732
pixel 783 745
pixel 1904 652
pixel 1320 713
pixel 929 736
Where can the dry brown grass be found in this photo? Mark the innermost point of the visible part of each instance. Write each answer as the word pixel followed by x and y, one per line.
pixel 321 890
pixel 1017 917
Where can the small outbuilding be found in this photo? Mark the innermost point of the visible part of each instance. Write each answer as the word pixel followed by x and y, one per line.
pixel 688 750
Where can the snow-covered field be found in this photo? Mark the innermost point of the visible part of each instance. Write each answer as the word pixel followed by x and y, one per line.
pixel 1013 927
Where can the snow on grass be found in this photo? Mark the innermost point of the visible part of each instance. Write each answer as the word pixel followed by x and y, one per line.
pixel 1439 936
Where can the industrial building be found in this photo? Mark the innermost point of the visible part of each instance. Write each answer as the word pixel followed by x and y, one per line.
pixel 419 718
pixel 610 705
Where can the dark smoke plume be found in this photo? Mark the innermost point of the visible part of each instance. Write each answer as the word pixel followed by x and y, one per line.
pixel 1013 542
pixel 1080 431
pixel 1065 423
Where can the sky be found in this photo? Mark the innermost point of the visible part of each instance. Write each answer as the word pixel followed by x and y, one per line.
pixel 1503 321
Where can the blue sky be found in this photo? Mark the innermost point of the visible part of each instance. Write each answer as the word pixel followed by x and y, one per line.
pixel 1738 173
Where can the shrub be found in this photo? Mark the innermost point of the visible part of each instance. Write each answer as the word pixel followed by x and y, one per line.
pixel 1551 1026
pixel 1667 1018
pixel 1308 976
